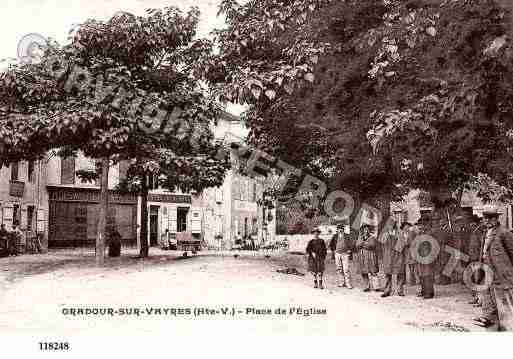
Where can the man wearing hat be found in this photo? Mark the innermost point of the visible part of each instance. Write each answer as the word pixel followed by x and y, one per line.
pixel 316 251
pixel 425 270
pixel 340 244
pixel 498 255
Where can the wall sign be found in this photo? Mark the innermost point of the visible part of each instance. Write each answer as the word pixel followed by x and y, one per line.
pixel 169 198
pixel 88 195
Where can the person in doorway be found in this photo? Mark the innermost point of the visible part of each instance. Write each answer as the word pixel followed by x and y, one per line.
pixel 426 272
pixel 316 251
pixel 367 258
pixel 340 246
pixel 497 254
pixel 393 260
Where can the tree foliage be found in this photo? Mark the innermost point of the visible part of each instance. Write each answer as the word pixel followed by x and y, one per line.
pixel 411 93
pixel 122 89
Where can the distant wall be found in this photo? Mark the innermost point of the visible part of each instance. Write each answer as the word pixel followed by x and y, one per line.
pixel 298 242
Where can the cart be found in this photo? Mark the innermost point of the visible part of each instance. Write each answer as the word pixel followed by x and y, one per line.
pixel 187 243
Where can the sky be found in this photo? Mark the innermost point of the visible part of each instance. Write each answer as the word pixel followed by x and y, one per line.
pixel 54 18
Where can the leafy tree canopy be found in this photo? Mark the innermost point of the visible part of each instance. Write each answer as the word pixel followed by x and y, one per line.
pixel 122 89
pixel 415 93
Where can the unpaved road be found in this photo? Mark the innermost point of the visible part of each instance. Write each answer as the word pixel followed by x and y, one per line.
pixel 36 302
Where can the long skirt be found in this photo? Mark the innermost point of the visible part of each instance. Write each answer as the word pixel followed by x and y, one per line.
pixel 316 265
pixel 367 261
pixel 393 262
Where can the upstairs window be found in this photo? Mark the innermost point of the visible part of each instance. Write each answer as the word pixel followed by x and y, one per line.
pixel 14 171
pixel 68 170
pixel 30 171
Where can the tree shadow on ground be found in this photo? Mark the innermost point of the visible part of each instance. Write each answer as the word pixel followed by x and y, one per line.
pixel 20 267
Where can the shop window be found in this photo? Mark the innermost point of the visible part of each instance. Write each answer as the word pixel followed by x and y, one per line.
pixel 14 171
pixel 182 219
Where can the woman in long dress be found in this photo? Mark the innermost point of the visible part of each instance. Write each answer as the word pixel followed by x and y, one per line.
pixel 316 251
pixel 394 259
pixel 366 257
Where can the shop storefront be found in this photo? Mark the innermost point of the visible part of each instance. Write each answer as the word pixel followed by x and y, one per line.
pixel 73 216
pixel 172 213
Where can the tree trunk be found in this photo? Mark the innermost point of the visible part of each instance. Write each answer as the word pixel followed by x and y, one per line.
pixel 143 234
pixel 102 220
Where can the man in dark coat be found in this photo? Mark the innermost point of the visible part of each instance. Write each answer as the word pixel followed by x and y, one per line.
pixel 498 256
pixel 316 251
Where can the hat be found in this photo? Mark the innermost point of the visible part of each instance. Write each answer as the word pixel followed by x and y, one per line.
pixel 316 230
pixel 491 211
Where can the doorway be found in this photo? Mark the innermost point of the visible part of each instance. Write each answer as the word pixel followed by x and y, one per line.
pixel 154 225
pixel 182 219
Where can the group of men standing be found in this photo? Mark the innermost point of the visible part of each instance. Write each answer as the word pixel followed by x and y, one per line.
pixel 395 259
pixel 409 248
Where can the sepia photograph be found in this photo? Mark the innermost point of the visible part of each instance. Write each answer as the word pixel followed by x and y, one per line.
pixel 219 168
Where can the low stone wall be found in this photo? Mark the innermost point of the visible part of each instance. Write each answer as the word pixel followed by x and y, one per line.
pixel 298 242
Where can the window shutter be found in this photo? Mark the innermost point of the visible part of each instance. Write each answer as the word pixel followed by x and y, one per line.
pixel 195 214
pixel 164 223
pixel 172 215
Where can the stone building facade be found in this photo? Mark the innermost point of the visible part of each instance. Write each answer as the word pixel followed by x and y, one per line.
pixel 24 198
pixel 48 197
